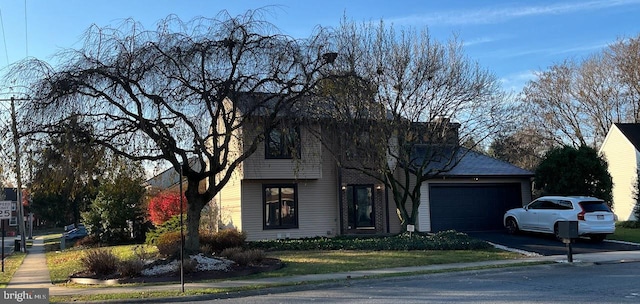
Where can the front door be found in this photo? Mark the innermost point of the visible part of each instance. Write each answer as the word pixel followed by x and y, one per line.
pixel 361 207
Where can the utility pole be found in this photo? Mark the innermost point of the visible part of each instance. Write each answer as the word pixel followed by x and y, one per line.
pixel 16 145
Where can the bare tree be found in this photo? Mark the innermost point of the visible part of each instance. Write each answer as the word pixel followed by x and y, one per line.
pixel 176 94
pixel 577 101
pixel 407 101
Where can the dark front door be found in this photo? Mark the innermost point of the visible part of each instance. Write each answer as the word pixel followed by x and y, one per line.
pixel 361 208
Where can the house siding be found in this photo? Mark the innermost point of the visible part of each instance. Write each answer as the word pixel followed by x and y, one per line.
pixel 318 208
pixel 307 167
pixel 229 202
pixel 622 158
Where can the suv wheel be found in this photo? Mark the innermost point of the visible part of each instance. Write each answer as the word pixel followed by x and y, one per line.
pixel 556 232
pixel 511 225
pixel 597 238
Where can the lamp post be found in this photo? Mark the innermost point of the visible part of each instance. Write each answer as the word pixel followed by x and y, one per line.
pixel 181 235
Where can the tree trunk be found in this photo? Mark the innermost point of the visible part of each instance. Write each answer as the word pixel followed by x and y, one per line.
pixel 195 203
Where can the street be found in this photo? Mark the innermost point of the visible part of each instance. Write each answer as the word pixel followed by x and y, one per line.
pixel 557 283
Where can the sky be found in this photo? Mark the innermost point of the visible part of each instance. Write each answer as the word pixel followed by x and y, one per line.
pixel 512 39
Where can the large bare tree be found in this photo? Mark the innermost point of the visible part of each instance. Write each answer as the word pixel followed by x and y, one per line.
pixel 407 101
pixel 576 102
pixel 176 93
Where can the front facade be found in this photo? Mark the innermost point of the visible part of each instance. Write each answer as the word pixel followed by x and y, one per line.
pixel 621 149
pixel 293 186
pixel 274 195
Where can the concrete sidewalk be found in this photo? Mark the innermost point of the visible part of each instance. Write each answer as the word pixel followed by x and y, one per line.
pixel 33 273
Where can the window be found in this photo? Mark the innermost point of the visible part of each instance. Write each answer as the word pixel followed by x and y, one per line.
pixel 283 143
pixel 280 207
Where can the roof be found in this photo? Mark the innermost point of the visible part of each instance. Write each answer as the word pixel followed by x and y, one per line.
pixel 632 132
pixel 9 194
pixel 472 163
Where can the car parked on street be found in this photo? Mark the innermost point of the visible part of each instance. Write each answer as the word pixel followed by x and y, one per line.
pixel 75 233
pixel 595 219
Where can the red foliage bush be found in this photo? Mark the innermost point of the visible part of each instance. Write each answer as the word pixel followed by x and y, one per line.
pixel 164 206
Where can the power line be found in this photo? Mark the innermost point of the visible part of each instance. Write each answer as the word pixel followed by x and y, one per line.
pixel 26 38
pixel 4 38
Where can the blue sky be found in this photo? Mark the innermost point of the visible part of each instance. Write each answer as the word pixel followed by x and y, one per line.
pixel 511 38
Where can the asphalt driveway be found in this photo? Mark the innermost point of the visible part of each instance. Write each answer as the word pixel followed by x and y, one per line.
pixel 547 244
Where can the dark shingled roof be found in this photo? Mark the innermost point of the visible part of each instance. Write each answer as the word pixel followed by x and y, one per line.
pixel 632 132
pixel 471 163
pixel 478 164
pixel 10 194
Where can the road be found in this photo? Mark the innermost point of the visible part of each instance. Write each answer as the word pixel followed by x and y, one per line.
pixel 556 283
pixel 547 244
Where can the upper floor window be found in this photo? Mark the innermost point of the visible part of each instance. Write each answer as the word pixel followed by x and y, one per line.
pixel 283 143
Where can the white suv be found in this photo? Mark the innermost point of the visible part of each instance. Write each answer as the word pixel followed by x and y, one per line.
pixel 594 217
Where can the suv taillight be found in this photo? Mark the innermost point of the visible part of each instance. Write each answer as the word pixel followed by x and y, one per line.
pixel 581 214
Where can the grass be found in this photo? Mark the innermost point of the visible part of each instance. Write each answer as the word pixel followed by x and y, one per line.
pixel 319 262
pixel 304 262
pixel 626 234
pixel 11 264
pixel 64 263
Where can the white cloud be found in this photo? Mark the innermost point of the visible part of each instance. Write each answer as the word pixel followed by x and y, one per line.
pixel 516 81
pixel 496 15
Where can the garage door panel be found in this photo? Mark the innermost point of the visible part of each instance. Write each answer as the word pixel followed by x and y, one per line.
pixel 471 207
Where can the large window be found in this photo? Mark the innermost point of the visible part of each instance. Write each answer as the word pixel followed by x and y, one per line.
pixel 283 143
pixel 280 207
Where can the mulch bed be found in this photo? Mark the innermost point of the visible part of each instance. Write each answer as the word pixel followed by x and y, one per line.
pixel 268 264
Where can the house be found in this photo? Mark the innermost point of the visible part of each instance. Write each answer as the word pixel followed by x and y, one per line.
pixel 621 149
pixel 10 226
pixel 292 187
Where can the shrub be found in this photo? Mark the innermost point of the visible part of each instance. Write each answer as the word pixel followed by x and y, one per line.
pixel 244 257
pixel 207 249
pixel 172 225
pixel 100 262
pixel 189 265
pixel 88 242
pixel 223 239
pixel 628 224
pixel 448 240
pixel 131 268
pixel 169 244
pixel 142 254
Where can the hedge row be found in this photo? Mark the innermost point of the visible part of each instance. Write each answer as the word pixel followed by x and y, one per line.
pixel 447 240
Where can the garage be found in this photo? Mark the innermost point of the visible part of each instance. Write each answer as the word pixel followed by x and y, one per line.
pixel 471 207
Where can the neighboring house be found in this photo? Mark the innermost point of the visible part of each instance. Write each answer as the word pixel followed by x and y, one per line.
pixel 274 194
pixel 621 148
pixel 10 226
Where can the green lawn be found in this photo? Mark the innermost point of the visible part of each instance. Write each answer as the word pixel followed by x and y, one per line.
pixel 317 262
pixel 11 264
pixel 626 234
pixel 64 263
pixel 61 264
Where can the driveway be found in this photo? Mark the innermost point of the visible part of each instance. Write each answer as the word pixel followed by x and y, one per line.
pixel 547 244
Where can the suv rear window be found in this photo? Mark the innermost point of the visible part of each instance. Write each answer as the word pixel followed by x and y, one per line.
pixel 593 206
